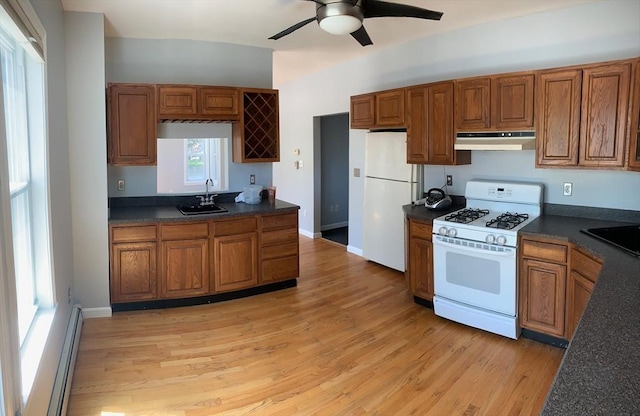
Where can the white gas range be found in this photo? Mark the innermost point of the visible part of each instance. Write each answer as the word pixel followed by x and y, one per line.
pixel 475 253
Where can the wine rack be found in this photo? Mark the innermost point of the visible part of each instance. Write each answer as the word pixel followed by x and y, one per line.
pixel 256 137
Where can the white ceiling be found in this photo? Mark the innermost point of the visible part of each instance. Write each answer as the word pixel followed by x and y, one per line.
pixel 252 22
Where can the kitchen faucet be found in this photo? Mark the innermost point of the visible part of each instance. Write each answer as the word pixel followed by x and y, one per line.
pixel 207 199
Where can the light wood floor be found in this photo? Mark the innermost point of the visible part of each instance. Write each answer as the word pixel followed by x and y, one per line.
pixel 347 341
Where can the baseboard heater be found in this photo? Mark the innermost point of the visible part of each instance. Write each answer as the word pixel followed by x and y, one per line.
pixel 62 384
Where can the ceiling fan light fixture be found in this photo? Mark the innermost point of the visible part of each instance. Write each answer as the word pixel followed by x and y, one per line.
pixel 340 25
pixel 340 17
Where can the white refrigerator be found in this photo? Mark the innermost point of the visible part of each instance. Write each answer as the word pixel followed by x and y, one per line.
pixel 389 184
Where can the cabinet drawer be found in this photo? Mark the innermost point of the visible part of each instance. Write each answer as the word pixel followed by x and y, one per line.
pixel 544 251
pixel 184 231
pixel 232 227
pixel 421 230
pixel 133 233
pixel 280 250
pixel 585 265
pixel 280 236
pixel 270 222
pixel 280 269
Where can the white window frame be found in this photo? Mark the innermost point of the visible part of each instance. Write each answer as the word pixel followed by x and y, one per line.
pixel 172 166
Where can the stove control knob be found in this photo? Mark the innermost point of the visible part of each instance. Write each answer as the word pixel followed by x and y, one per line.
pixel 442 231
pixel 452 232
pixel 501 240
pixel 490 239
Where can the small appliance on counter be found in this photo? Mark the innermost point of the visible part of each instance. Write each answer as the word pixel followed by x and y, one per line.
pixel 436 199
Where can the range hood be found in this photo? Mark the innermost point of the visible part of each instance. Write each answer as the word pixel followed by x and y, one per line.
pixel 496 140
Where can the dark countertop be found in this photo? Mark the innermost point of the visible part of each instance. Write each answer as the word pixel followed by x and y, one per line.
pixel 420 212
pixel 600 371
pixel 162 213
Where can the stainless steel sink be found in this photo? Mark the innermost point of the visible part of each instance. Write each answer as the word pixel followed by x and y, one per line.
pixel 200 209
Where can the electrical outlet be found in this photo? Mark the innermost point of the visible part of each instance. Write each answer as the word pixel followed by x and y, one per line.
pixel 356 172
pixel 252 179
pixel 567 189
pixel 120 184
pixel 449 180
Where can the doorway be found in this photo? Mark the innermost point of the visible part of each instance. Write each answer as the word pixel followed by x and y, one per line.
pixel 332 178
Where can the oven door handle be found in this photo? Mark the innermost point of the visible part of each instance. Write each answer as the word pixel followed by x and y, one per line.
pixel 511 253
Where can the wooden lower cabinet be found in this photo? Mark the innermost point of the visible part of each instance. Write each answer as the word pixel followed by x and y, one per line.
pixel 581 280
pixel 420 259
pixel 279 247
pixel 542 300
pixel 133 263
pixel 556 281
pixel 184 259
pixel 236 261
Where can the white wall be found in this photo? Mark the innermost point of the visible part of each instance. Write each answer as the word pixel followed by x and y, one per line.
pixel 599 31
pixel 52 17
pixel 86 117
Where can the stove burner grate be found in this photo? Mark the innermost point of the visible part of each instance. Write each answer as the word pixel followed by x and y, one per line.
pixel 507 221
pixel 466 215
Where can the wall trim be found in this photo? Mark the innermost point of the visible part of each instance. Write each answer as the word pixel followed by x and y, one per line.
pixel 355 250
pixel 309 233
pixel 334 225
pixel 88 313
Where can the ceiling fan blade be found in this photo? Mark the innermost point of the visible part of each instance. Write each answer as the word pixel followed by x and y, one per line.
pixel 292 28
pixel 362 36
pixel 377 8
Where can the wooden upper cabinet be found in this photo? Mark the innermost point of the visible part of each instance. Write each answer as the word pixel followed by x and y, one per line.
pixel 256 138
pixel 605 105
pixel 362 111
pixel 558 98
pixel 131 124
pixel 512 101
pixel 384 109
pixel 473 107
pixel 177 101
pixel 634 130
pixel 430 136
pixel 389 108
pixel 499 102
pixel 196 102
pixel 219 102
pixel 417 139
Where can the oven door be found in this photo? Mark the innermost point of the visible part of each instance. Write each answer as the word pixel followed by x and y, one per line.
pixel 475 274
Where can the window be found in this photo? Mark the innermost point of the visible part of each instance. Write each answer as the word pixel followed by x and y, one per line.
pixel 24 139
pixel 184 165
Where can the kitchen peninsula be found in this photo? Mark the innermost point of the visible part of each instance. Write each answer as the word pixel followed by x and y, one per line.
pixel 162 258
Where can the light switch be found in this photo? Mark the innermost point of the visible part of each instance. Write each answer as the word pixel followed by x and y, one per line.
pixel 356 172
pixel 300 164
pixel 296 152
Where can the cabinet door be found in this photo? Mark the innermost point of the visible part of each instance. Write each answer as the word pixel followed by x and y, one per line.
pixel 558 97
pixel 236 264
pixel 177 101
pixel 579 290
pixel 256 138
pixel 417 142
pixel 132 124
pixel 542 297
pixel 219 103
pixel 185 267
pixel 133 272
pixel 634 130
pixel 421 268
pixel 605 105
pixel 512 101
pixel 389 109
pixel 440 124
pixel 362 111
pixel 473 108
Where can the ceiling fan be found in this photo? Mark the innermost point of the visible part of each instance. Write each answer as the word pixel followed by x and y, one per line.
pixel 340 17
